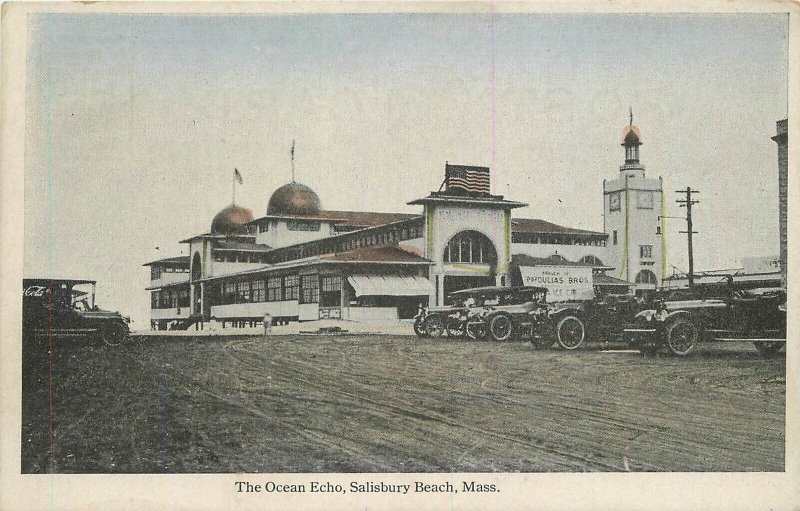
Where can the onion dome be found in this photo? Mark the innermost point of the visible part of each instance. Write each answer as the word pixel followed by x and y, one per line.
pixel 294 199
pixel 232 220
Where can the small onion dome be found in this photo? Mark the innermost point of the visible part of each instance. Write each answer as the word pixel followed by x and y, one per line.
pixel 631 135
pixel 294 199
pixel 232 220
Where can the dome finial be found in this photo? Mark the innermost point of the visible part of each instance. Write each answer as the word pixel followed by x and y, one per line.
pixel 292 160
pixel 631 110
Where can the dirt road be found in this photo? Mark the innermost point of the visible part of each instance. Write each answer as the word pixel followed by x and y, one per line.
pixel 398 404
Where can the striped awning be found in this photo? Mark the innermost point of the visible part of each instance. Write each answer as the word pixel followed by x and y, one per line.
pixel 390 285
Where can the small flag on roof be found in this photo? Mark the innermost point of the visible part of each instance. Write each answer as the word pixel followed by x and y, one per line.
pixel 237 175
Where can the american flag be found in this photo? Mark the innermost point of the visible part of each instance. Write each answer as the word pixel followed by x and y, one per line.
pixel 467 178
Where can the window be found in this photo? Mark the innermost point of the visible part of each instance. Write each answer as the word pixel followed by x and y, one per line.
pixel 274 289
pixel 646 251
pixel 228 292
pixel 646 277
pixel 309 289
pixel 614 235
pixel 258 290
pixel 644 199
pixel 291 287
pixel 263 227
pixel 470 247
pixel 242 292
pixel 155 272
pixel 302 225
pixel 614 202
pixel 331 291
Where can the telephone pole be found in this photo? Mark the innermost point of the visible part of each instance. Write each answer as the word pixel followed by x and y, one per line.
pixel 687 203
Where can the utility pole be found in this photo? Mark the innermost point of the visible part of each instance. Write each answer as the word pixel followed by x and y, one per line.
pixel 687 203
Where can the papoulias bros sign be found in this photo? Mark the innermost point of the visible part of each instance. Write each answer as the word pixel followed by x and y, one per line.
pixel 562 282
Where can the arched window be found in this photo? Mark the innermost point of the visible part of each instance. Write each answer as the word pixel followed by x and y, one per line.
pixel 470 247
pixel 196 270
pixel 593 260
pixel 646 277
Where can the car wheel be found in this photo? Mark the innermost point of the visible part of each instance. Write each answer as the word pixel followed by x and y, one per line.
pixel 476 330
pixel 681 337
pixel 500 327
pixel 570 332
pixel 769 348
pixel 456 328
pixel 114 334
pixel 418 329
pixel 434 326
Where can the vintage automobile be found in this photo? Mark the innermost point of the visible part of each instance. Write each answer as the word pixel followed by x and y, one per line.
pixel 572 323
pixel 495 311
pixel 755 315
pixel 501 313
pixel 65 308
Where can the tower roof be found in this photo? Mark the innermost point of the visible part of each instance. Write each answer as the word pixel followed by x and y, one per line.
pixel 232 220
pixel 631 135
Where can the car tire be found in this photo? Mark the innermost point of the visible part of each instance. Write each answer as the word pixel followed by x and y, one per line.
pixel 114 334
pixel 456 329
pixel 434 326
pixel 475 330
pixel 570 332
pixel 681 337
pixel 418 329
pixel 500 327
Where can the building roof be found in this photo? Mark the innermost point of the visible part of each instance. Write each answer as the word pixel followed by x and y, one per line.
pixel 537 226
pixel 602 279
pixel 479 200
pixel 355 219
pixel 378 254
pixel 553 260
pixel 169 260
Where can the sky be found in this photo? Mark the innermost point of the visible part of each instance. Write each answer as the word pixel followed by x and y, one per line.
pixel 134 123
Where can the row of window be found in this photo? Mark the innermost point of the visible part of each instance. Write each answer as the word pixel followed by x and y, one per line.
pixel 169 298
pixel 305 288
pixel 530 238
pixel 470 247
pixel 240 257
pixel 644 200
pixel 157 271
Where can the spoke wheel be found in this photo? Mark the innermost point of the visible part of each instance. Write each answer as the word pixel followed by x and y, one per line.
pixel 418 328
pixel 500 327
pixel 681 337
pixel 434 326
pixel 114 334
pixel 456 328
pixel 571 332
pixel 476 330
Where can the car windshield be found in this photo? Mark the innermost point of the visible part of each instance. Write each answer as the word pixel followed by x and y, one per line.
pixel 82 297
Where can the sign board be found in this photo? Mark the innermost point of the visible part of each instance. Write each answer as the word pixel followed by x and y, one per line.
pixel 562 282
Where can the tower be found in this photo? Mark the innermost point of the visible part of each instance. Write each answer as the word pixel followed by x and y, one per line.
pixel 633 217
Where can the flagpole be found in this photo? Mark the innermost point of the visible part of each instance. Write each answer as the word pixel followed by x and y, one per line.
pixel 233 189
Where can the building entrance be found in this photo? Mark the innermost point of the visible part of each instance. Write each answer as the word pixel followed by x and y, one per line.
pixel 457 282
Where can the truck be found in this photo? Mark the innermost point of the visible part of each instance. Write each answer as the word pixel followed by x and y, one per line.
pixel 64 308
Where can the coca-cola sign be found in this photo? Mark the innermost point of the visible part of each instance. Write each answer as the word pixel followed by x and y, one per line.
pixel 34 291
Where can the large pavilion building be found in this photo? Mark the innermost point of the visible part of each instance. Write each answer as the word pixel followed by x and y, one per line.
pixel 301 262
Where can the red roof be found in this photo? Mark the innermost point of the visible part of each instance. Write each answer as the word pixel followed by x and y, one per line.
pixel 379 254
pixel 537 226
pixel 365 218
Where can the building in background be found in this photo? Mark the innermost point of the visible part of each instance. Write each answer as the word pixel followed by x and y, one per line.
pixel 782 139
pixel 633 213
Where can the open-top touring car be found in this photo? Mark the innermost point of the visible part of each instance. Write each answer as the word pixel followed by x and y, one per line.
pixel 730 314
pixel 498 312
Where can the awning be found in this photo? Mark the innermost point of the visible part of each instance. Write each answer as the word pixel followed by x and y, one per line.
pixel 390 285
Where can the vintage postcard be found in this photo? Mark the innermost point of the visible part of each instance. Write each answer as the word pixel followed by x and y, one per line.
pixel 383 255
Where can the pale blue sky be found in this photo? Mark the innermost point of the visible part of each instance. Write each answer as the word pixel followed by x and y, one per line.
pixel 136 122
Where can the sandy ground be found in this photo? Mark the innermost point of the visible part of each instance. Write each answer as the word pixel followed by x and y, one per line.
pixel 389 403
